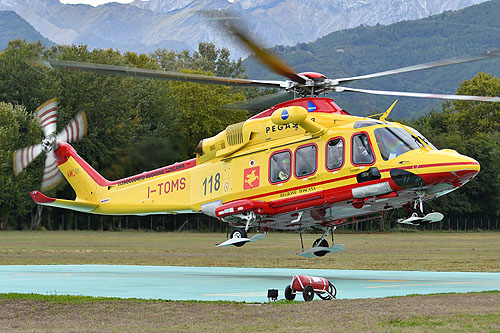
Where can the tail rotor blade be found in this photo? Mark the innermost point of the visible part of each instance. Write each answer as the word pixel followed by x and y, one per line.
pixel 25 156
pixel 47 116
pixel 75 130
pixel 51 174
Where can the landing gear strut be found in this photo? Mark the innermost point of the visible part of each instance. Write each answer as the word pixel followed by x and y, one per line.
pixel 239 236
pixel 418 217
pixel 322 242
pixel 320 246
pixel 418 208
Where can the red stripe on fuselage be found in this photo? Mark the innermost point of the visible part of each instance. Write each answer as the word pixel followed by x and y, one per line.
pixel 413 167
pixel 334 195
pixel 354 176
pixel 65 151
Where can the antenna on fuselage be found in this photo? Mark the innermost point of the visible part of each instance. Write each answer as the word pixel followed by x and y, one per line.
pixel 386 113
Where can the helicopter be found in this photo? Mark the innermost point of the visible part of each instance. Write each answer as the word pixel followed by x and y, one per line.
pixel 301 164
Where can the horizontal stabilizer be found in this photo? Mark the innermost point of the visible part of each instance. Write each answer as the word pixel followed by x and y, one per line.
pixel 80 206
pixel 233 241
pixel 311 253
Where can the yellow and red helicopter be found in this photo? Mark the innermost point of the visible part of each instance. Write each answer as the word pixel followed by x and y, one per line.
pixel 302 164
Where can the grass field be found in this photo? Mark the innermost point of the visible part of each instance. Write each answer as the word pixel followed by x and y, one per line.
pixel 429 251
pixel 385 251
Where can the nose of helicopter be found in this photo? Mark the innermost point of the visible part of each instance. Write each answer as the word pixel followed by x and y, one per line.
pixel 436 173
pixel 465 168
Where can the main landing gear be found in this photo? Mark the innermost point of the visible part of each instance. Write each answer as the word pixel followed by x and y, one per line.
pixel 239 236
pixel 320 246
pixel 418 217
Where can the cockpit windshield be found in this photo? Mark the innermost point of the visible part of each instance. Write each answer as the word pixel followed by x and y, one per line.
pixel 395 141
pixel 421 137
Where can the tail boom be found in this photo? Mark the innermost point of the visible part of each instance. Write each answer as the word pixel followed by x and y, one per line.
pixel 142 194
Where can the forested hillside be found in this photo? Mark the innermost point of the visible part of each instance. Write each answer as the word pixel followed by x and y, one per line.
pixel 12 26
pixel 138 124
pixel 134 125
pixel 365 50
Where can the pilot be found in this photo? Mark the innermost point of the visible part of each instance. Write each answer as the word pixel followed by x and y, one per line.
pixel 285 169
pixel 363 151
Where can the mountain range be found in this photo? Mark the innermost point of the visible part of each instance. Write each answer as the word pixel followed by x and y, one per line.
pixel 144 26
pixel 350 52
pixel 12 26
pixel 368 49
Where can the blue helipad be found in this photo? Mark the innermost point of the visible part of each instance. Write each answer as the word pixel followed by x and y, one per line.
pixel 226 283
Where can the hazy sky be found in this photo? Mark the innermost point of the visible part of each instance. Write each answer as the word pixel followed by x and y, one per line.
pixel 94 2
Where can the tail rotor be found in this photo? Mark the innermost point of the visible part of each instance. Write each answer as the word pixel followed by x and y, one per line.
pixel 75 130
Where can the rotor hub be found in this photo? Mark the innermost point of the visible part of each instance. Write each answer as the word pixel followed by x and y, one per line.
pixel 49 143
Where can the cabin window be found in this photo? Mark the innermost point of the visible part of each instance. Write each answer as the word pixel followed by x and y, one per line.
pixel 335 153
pixel 394 141
pixel 306 161
pixel 361 150
pixel 366 123
pixel 280 166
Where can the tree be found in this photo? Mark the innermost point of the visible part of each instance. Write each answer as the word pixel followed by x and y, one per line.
pixel 207 59
pixel 471 118
pixel 200 109
pixel 17 129
pixel 20 83
pixel 472 129
pixel 129 119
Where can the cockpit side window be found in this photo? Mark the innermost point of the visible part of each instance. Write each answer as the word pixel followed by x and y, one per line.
pixel 335 153
pixel 362 152
pixel 280 166
pixel 394 141
pixel 306 161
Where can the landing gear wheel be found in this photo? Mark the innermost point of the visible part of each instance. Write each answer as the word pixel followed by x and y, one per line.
pixel 333 292
pixel 416 213
pixel 239 233
pixel 289 293
pixel 308 293
pixel 320 243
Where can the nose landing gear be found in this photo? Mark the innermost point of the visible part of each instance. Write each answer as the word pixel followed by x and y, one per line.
pixel 418 217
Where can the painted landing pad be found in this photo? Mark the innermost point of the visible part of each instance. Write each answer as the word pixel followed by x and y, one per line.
pixel 226 283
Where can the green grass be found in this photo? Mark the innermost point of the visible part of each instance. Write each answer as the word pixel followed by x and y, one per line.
pixel 478 312
pixel 430 251
pixel 85 299
pixel 433 251
pixel 464 322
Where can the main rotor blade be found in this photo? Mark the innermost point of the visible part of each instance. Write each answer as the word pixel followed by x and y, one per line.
pixel 421 95
pixel 75 130
pixel 433 64
pixel 51 174
pixel 24 156
pixel 261 103
pixel 266 57
pixel 47 116
pixel 152 74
